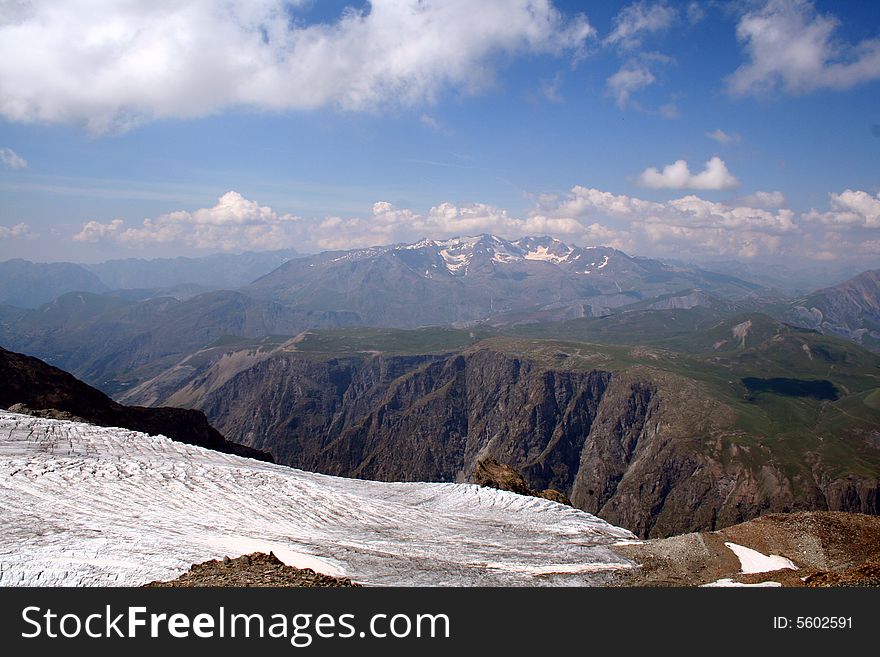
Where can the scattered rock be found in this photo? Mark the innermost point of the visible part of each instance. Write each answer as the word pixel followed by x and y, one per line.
pixel 47 413
pixel 251 570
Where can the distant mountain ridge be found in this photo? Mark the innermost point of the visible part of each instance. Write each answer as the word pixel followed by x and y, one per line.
pixel 217 271
pixel 30 284
pixel 469 279
pixel 27 284
pixel 850 309
pixel 108 341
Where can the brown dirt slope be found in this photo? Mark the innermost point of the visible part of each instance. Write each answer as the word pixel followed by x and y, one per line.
pixel 830 548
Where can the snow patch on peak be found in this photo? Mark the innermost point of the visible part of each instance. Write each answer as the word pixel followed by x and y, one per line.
pixel 545 253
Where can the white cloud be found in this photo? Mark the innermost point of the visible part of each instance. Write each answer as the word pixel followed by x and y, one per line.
pixel 750 227
pixel 670 111
pixel 850 208
pixel 16 231
pixel 12 160
pixel 640 18
pixel 94 231
pixel 763 200
pixel 695 13
pixel 629 79
pixel 112 65
pixel 234 223
pixel 790 45
pixel 723 137
pixel 631 25
pixel 678 176
pixel 688 224
pixel 550 89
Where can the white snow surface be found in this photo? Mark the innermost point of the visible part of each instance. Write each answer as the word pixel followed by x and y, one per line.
pixel 753 561
pixel 89 506
pixel 543 253
pixel 730 582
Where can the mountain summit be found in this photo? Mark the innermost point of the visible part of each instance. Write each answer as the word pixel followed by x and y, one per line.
pixel 471 279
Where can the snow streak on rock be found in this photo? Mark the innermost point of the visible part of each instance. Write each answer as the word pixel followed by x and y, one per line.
pixel 83 505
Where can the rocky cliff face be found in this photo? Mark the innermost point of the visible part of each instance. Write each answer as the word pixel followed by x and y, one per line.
pixel 642 448
pixel 31 383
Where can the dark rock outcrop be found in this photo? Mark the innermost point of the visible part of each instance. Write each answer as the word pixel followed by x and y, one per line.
pixel 493 474
pixel 37 386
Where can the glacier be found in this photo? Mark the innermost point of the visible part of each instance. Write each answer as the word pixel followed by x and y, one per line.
pixel 91 506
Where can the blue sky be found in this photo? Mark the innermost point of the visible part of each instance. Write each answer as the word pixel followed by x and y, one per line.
pixel 253 125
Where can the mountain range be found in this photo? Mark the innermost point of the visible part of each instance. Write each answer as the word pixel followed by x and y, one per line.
pixel 466 280
pixel 28 284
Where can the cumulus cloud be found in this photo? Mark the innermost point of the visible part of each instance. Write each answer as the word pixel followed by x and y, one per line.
pixel 634 21
pixel 723 137
pixel 850 208
pixel 691 224
pixel 629 79
pixel 389 224
pixel 112 65
pixel 233 223
pixel 715 176
pixel 11 160
pixel 586 216
pixel 753 226
pixel 793 47
pixel 16 231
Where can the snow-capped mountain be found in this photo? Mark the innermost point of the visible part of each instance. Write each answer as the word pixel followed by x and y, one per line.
pixel 467 279
pixel 469 256
pixel 84 505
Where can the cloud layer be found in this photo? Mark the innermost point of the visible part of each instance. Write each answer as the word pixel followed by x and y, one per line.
pixel 111 64
pixel 233 223
pixel 749 227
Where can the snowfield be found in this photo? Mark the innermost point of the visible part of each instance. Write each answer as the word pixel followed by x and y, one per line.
pixel 753 561
pixel 84 505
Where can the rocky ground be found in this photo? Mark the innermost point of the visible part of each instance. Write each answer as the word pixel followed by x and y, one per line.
pixel 829 549
pixel 493 474
pixel 252 570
